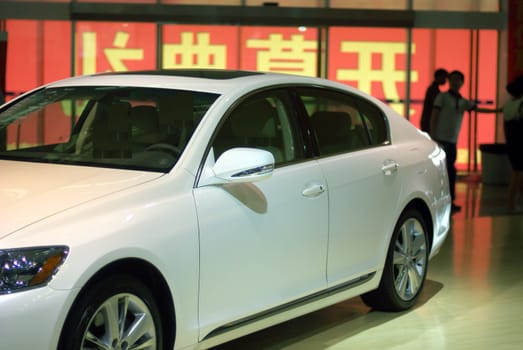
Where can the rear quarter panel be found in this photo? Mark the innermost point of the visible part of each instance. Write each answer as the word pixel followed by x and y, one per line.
pixel 425 175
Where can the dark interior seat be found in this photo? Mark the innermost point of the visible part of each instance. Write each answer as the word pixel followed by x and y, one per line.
pixel 254 124
pixel 145 126
pixel 333 131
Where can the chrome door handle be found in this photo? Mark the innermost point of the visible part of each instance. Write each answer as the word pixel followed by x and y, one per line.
pixel 313 190
pixel 390 167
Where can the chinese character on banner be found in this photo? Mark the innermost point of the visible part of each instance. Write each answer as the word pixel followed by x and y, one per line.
pixel 120 52
pixel 199 47
pixel 374 66
pixel 190 53
pixel 115 47
pixel 280 50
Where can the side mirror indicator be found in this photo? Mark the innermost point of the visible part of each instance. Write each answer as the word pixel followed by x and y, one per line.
pixel 242 165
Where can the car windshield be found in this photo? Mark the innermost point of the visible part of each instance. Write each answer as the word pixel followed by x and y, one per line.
pixel 120 127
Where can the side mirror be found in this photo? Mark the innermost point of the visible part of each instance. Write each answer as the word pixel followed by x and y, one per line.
pixel 242 165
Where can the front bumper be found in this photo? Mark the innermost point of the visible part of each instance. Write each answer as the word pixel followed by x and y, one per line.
pixel 32 319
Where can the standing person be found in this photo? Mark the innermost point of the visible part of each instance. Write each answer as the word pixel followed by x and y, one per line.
pixel 447 115
pixel 440 78
pixel 513 125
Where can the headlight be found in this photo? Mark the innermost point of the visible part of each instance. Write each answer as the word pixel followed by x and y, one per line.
pixel 26 268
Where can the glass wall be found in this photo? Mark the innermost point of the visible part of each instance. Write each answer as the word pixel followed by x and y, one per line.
pixel 372 60
pixel 279 49
pixel 114 47
pixel 287 3
pixel 376 4
pixel 461 5
pixel 473 52
pixel 375 60
pixel 188 46
pixel 439 5
pixel 35 55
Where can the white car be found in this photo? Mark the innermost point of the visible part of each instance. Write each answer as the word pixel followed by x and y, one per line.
pixel 181 209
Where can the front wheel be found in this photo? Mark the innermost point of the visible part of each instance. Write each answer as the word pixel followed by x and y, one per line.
pixel 405 267
pixel 117 313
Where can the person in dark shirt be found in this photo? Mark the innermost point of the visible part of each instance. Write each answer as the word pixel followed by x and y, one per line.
pixel 440 78
pixel 447 116
pixel 513 127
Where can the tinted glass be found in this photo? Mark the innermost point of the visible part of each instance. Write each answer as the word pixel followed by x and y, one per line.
pixel 132 128
pixel 263 121
pixel 342 122
pixel 374 122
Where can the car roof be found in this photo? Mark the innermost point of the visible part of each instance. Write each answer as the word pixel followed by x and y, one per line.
pixel 218 81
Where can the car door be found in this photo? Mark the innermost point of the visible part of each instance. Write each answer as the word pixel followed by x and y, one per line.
pixel 262 244
pixel 361 170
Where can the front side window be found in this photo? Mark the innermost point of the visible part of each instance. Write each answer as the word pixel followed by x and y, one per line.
pixel 262 121
pixel 342 122
pixel 122 127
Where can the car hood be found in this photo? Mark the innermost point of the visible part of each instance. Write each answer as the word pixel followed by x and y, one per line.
pixel 30 192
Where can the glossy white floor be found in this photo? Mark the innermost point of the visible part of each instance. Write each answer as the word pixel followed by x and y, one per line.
pixel 473 297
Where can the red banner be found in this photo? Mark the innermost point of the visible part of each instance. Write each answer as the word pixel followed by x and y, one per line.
pixel 279 49
pixel 189 46
pixel 114 46
pixel 371 59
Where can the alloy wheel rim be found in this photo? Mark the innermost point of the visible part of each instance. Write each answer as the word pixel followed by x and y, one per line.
pixel 122 322
pixel 410 259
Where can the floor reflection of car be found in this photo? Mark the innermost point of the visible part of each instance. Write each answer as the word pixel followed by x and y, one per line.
pixel 181 209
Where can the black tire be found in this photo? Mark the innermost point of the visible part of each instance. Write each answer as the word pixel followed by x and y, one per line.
pixel 405 266
pixel 91 321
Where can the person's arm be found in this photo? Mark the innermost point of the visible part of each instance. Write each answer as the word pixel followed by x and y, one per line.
pixel 474 107
pixel 489 110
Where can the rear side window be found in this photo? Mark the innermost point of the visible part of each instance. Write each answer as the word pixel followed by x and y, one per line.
pixel 374 121
pixel 343 122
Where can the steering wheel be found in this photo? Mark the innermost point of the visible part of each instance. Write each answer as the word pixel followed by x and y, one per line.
pixel 164 147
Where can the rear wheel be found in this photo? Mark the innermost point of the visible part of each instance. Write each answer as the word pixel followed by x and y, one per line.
pixel 405 267
pixel 117 313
